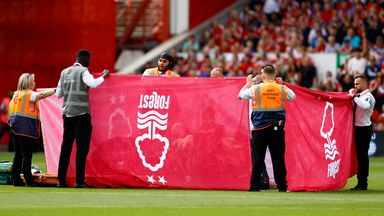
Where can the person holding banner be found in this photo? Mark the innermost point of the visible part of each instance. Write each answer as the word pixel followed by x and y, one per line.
pixel 25 126
pixel 164 67
pixel 268 118
pixel 364 102
pixel 73 86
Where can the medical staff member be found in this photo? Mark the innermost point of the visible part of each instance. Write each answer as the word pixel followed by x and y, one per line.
pixel 269 100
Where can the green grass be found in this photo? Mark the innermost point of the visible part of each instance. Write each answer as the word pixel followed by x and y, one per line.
pixel 69 201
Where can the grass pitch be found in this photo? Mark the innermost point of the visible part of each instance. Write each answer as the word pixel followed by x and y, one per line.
pixel 69 201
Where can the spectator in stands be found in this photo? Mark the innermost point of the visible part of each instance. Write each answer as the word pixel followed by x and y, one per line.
pixel 191 44
pixel 376 86
pixel 364 103
pixel 330 83
pixel 187 62
pixel 164 67
pixel 205 66
pixel 365 46
pixel 327 12
pixel 354 39
pixel 215 33
pixel 222 63
pixel 236 32
pixel 268 117
pixel 372 69
pixel 374 27
pixel 331 30
pixel 344 9
pixel 205 38
pixel 308 73
pixel 346 47
pixel 216 72
pixel 177 70
pixel 380 123
pixel 249 47
pixel 320 45
pixel 272 10
pixel 211 48
pixel 294 41
pixel 378 50
pixel 73 86
pixel 332 46
pixel 346 81
pixel 234 71
pixel 193 70
pixel 25 127
pixel 234 18
pixel 315 40
pixel 291 72
pixel 246 64
pixel 177 60
pixel 314 33
pixel 357 64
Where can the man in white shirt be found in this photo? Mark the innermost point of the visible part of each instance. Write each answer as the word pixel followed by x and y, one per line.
pixel 73 86
pixel 357 64
pixel 364 103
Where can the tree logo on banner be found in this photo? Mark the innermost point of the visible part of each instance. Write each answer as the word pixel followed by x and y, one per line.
pixel 152 147
pixel 119 114
pixel 330 148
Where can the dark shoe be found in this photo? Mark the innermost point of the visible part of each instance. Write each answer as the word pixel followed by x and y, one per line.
pixel 82 185
pixel 264 182
pixel 18 183
pixel 253 189
pixel 30 184
pixel 62 185
pixel 283 190
pixel 358 187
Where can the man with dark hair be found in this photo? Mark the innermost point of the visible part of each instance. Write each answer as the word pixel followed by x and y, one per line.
pixel 73 86
pixel 164 67
pixel 268 118
pixel 364 102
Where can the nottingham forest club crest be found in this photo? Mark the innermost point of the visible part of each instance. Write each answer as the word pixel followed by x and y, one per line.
pixel 330 148
pixel 152 146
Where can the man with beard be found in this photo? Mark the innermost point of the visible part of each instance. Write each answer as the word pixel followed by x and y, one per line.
pixel 364 102
pixel 164 67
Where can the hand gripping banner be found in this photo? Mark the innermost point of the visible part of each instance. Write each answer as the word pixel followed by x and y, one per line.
pixel 193 133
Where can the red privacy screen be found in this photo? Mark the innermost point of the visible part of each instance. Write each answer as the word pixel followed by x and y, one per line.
pixel 42 37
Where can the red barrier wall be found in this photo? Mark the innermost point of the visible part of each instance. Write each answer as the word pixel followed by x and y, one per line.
pixel 200 10
pixel 42 37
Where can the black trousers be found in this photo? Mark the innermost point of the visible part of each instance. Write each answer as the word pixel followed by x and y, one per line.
pixel 362 139
pixel 274 139
pixel 23 158
pixel 77 128
pixel 264 171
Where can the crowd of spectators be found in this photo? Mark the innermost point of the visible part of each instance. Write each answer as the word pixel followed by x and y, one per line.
pixel 283 33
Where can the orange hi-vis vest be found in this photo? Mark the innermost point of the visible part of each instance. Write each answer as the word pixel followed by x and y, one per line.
pixel 155 72
pixel 25 115
pixel 269 96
